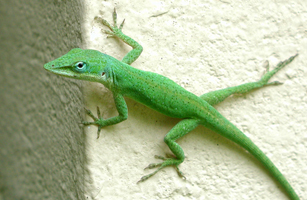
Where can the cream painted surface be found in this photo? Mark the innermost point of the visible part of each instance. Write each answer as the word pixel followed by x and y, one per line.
pixel 204 46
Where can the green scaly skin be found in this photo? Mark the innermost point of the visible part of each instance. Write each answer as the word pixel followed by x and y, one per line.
pixel 163 95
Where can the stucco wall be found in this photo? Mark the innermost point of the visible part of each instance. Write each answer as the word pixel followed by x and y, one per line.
pixel 204 46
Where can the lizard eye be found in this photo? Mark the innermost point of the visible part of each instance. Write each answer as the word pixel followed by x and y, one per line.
pixel 80 66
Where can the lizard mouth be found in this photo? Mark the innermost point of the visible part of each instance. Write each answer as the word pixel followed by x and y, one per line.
pixel 62 71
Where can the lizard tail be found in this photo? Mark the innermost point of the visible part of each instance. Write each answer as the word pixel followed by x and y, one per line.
pixel 234 134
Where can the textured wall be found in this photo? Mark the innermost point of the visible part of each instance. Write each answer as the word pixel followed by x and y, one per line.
pixel 204 46
pixel 41 144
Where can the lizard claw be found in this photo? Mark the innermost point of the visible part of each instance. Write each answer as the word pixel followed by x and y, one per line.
pixel 96 120
pixel 167 161
pixel 268 74
pixel 89 113
pixel 114 30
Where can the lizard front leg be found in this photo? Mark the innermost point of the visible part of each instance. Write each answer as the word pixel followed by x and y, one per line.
pixel 122 109
pixel 116 31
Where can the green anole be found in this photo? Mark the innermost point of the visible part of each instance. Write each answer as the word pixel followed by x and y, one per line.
pixel 163 95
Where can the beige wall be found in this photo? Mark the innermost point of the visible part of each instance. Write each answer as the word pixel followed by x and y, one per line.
pixel 204 45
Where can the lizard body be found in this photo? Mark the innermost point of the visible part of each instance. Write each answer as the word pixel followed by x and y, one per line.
pixel 163 95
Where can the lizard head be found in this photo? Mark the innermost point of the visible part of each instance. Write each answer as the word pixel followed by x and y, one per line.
pixel 80 64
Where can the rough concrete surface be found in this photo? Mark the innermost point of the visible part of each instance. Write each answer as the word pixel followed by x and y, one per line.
pixel 41 144
pixel 204 46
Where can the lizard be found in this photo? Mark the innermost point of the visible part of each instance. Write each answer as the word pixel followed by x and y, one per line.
pixel 163 95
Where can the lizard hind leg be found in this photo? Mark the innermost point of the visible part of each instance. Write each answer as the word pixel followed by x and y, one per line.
pixel 178 131
pixel 217 96
pixel 266 77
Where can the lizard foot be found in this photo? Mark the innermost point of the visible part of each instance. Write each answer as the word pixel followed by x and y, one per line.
pixel 167 161
pixel 114 30
pixel 268 74
pixel 96 120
